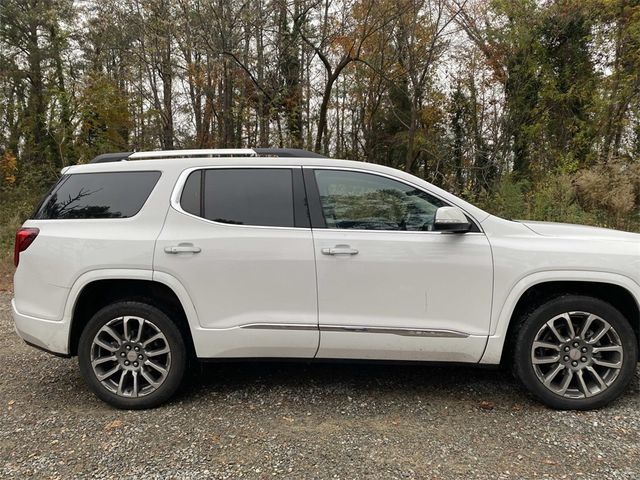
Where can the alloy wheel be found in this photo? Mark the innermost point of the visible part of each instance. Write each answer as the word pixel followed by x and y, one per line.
pixel 577 355
pixel 130 356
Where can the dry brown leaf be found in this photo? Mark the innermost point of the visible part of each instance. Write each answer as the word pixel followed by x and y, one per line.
pixel 113 424
pixel 486 405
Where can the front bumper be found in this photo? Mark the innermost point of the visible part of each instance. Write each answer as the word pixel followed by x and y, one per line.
pixel 48 335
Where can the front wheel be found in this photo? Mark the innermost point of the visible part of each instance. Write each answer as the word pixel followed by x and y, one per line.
pixel 576 352
pixel 132 355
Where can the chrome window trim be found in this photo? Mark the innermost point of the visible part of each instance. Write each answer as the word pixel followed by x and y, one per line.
pixel 391 177
pixel 182 179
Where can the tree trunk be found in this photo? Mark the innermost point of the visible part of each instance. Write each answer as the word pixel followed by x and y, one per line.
pixel 411 137
pixel 36 107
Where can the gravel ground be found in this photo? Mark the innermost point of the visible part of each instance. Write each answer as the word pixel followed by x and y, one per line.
pixel 269 420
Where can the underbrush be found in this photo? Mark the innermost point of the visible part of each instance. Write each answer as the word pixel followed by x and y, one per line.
pixel 605 196
pixel 16 205
pixel 604 200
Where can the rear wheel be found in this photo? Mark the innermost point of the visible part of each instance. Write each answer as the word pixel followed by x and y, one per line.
pixel 576 352
pixel 132 355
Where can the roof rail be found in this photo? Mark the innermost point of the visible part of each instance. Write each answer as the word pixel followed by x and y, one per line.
pixel 111 157
pixel 287 152
pixel 219 152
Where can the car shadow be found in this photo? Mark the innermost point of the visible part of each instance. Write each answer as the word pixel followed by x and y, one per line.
pixel 364 378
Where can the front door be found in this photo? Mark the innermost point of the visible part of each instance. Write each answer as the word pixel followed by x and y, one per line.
pixel 238 239
pixel 388 286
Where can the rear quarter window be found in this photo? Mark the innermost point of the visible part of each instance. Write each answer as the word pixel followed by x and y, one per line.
pixel 242 196
pixel 262 197
pixel 98 195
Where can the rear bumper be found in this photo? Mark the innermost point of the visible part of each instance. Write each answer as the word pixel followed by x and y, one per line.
pixel 48 335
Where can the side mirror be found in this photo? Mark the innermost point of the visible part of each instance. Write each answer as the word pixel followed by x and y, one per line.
pixel 451 219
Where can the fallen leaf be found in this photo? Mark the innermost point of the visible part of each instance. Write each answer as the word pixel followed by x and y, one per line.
pixel 485 405
pixel 113 424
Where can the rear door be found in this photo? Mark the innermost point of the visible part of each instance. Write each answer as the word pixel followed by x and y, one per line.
pixel 239 241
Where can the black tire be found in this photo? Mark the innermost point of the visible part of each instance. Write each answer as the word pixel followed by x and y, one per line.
pixel 534 321
pixel 174 341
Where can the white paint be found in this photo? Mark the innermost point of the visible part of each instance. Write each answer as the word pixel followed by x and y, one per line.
pixel 246 275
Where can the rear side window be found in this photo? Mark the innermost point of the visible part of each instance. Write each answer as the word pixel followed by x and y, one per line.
pixel 191 198
pixel 242 196
pixel 98 195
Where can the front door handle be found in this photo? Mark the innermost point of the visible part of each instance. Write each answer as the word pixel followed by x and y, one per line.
pixel 182 248
pixel 340 250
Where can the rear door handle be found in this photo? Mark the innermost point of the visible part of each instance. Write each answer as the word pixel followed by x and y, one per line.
pixel 340 250
pixel 182 248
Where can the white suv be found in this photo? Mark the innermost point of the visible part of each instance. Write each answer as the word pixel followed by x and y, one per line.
pixel 137 263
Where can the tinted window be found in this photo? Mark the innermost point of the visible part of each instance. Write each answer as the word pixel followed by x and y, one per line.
pixel 98 195
pixel 249 196
pixel 353 200
pixel 190 198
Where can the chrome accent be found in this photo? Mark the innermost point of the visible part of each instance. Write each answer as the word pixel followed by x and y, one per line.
pixel 476 222
pixel 182 248
pixel 182 179
pixel 280 326
pixel 405 332
pixel 340 250
pixel 220 152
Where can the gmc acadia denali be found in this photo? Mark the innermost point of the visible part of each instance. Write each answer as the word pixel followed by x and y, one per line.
pixel 138 262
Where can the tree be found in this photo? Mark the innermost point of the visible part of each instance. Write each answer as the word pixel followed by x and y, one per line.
pixel 338 40
pixel 104 118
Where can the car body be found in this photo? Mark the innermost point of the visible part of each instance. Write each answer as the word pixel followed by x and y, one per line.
pixel 312 282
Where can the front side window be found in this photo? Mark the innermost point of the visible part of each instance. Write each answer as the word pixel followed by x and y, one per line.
pixel 98 195
pixel 364 201
pixel 241 196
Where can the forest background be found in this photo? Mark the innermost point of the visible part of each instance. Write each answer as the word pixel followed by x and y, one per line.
pixel 530 109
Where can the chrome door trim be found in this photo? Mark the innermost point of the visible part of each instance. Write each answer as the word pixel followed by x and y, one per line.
pixel 405 332
pixel 280 326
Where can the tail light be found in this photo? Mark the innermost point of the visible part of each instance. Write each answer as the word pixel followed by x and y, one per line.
pixel 24 238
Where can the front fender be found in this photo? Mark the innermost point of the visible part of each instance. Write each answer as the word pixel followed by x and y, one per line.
pixel 502 318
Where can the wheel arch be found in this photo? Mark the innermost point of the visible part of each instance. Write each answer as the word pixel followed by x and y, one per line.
pixel 540 293
pixel 97 291
pixel 620 291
